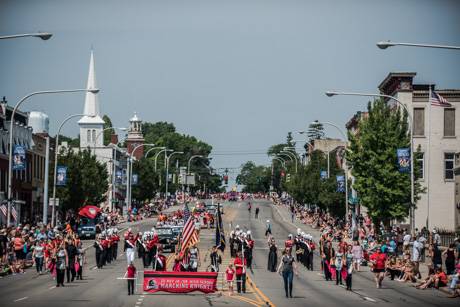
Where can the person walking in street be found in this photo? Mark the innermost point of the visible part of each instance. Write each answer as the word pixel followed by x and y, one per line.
pixel 38 255
pixel 130 277
pixel 71 255
pixel 338 266
pixel 287 268
pixel 257 212
pixel 449 253
pixel 349 266
pixel 378 260
pixel 272 256
pixel 240 267
pixel 215 259
pixel 268 228
pixel 62 261
pixel 357 251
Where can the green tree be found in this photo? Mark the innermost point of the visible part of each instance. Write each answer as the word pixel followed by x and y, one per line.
pixel 87 180
pixel 382 189
pixel 254 178
pixel 107 133
pixel 148 183
pixel 315 132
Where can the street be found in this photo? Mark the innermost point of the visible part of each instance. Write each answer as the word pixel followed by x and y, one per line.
pixel 104 288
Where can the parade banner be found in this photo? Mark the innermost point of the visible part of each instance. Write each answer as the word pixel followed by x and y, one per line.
pixel 19 158
pixel 323 175
pixel 403 155
pixel 118 177
pixel 180 282
pixel 61 172
pixel 340 183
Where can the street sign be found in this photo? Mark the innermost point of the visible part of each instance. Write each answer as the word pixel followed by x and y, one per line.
pixel 52 202
pixel 190 179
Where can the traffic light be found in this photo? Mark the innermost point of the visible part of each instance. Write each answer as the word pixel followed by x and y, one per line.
pixel 288 177
pixel 226 179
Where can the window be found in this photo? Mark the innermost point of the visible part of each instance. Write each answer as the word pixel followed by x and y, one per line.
pixel 88 136
pixel 449 165
pixel 420 162
pixel 419 121
pixel 449 122
pixel 94 136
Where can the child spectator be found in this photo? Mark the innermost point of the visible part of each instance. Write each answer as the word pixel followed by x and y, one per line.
pixel 229 277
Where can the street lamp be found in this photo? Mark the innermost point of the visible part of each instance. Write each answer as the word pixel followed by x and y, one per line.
pixel 286 154
pixel 43 35
pixel 114 169
pixel 345 167
pixel 153 148
pixel 101 132
pixel 165 150
pixel 167 169
pixel 190 160
pixel 385 45
pixel 409 117
pixel 288 150
pixel 130 172
pixel 56 152
pixel 10 151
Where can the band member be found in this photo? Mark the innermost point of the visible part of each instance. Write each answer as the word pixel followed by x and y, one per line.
pixel 248 247
pixel 130 246
pixel 159 261
pixel 289 242
pixel 240 267
pixel 115 240
pixel 99 251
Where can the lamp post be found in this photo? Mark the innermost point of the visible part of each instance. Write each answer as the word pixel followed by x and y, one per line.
pixel 273 168
pixel 385 45
pixel 114 169
pixel 102 131
pixel 410 120
pixel 10 151
pixel 345 167
pixel 43 35
pixel 190 160
pixel 153 148
pixel 56 153
pixel 167 170
pixel 287 150
pixel 165 150
pixel 130 172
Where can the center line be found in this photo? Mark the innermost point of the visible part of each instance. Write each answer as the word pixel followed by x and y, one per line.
pixel 52 287
pixel 21 299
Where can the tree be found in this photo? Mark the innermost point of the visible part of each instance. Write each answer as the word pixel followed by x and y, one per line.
pixel 254 178
pixel 148 182
pixel 107 133
pixel 381 187
pixel 87 180
pixel 315 131
pixel 72 142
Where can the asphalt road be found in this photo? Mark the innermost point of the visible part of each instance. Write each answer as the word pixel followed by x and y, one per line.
pixel 103 288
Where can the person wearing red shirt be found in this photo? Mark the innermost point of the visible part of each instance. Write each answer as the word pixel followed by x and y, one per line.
pixel 229 277
pixel 131 275
pixel 240 266
pixel 378 260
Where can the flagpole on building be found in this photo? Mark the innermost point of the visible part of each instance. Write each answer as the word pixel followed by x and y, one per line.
pixel 428 159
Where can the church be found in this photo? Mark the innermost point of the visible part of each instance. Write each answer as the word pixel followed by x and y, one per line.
pixel 112 155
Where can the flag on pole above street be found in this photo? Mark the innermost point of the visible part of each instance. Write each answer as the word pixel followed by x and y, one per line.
pixel 438 100
pixel 220 234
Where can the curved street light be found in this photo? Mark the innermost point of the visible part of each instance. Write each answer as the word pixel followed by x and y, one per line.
pixel 130 172
pixel 153 148
pixel 56 153
pixel 410 120
pixel 167 170
pixel 43 35
pixel 294 154
pixel 190 160
pixel 165 150
pixel 10 151
pixel 385 45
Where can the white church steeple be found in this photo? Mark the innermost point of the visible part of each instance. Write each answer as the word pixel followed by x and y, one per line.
pixel 92 125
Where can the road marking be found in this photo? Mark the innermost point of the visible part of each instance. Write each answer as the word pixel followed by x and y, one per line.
pixel 264 299
pixel 21 299
pixel 369 299
pixel 244 299
pixel 52 287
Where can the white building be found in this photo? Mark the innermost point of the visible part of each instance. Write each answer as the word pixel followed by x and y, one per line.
pixel 436 132
pixel 92 137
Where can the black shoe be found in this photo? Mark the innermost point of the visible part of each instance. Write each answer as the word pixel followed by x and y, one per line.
pixel 57 285
pixel 290 295
pixel 62 285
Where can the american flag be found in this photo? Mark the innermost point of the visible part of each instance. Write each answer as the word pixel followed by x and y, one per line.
pixel 189 235
pixel 14 213
pixel 3 209
pixel 438 100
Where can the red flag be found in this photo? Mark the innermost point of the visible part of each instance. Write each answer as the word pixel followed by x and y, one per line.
pixel 89 211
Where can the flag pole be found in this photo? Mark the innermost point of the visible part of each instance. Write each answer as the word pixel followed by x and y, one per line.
pixel 429 159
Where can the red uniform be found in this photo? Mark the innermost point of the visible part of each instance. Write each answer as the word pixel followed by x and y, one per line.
pixel 239 261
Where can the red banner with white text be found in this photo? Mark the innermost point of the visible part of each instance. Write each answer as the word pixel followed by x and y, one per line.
pixel 180 282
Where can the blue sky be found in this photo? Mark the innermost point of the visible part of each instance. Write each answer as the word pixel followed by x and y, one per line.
pixel 238 74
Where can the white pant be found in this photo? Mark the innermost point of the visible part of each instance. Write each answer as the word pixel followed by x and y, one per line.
pixel 130 255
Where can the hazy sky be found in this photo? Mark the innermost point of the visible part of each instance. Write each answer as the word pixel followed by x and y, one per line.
pixel 238 74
